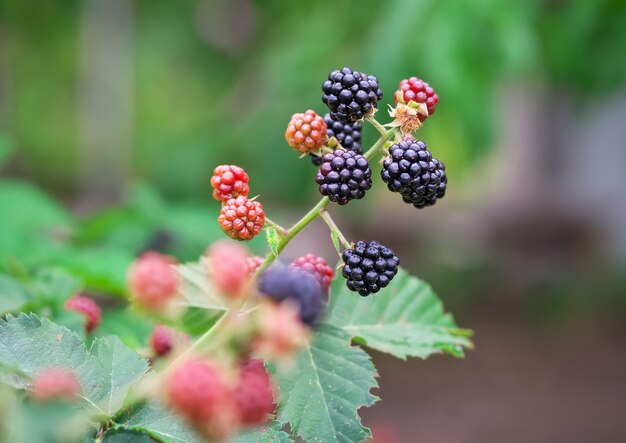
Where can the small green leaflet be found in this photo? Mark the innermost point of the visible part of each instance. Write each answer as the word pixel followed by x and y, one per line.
pixel 106 372
pixel 406 319
pixel 273 239
pixel 331 380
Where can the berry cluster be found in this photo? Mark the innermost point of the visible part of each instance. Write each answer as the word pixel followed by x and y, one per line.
pixel 347 134
pixel 88 309
pixel 344 176
pixel 369 267
pixel 229 181
pixel 316 266
pixel 153 281
pixel 411 170
pixel 351 95
pixel 242 219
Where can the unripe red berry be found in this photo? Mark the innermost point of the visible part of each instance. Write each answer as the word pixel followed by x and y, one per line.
pixel 196 390
pixel 306 132
pixel 254 393
pixel 229 181
pixel 153 281
pixel 316 266
pixel 417 90
pixel 55 384
pixel 242 219
pixel 86 307
pixel 164 339
pixel 228 267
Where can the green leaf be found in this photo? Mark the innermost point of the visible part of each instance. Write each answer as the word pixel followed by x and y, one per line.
pixel 273 239
pixel 405 319
pixel 126 437
pixel 13 294
pixel 106 372
pixel 266 434
pixel 159 422
pixel 53 286
pixel 335 239
pixel 7 146
pixel 196 288
pixel 331 380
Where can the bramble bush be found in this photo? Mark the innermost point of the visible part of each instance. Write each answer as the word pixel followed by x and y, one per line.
pixel 241 348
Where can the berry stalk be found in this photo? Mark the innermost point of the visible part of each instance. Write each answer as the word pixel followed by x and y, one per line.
pixel 334 228
pixel 380 128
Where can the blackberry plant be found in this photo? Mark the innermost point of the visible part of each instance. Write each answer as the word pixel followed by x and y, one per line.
pixel 238 347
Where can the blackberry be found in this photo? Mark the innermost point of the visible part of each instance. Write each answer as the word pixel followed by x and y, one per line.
pixel 418 91
pixel 347 134
pixel 411 170
pixel 350 95
pixel 369 267
pixel 344 176
pixel 282 283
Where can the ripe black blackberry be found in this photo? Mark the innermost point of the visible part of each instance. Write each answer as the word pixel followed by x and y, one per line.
pixel 347 134
pixel 350 95
pixel 411 170
pixel 344 176
pixel 369 267
pixel 282 283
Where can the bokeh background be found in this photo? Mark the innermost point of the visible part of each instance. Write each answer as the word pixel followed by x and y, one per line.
pixel 113 114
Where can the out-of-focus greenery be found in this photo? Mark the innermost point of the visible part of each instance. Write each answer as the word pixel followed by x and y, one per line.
pixel 199 102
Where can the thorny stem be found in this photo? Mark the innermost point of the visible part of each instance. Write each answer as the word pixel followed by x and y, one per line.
pixel 334 228
pixel 288 235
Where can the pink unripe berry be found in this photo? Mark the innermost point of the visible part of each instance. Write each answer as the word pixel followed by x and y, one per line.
pixel 196 390
pixel 254 263
pixel 55 384
pixel 153 281
pixel 254 393
pixel 86 307
pixel 281 332
pixel 163 340
pixel 228 267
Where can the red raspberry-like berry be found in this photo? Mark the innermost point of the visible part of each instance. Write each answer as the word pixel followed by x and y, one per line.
pixel 196 390
pixel 164 339
pixel 254 393
pixel 316 266
pixel 229 181
pixel 306 132
pixel 420 92
pixel 228 267
pixel 281 332
pixel 88 308
pixel 55 384
pixel 153 281
pixel 242 219
pixel 253 264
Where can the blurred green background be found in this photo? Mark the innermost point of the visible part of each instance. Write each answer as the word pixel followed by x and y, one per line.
pixel 113 114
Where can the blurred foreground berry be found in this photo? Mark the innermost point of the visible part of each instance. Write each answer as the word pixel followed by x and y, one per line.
pixel 55 384
pixel 242 219
pixel 88 308
pixel 369 267
pixel 164 339
pixel 411 170
pixel 417 90
pixel 281 283
pixel 344 176
pixel 254 393
pixel 254 263
pixel 280 331
pixel 197 390
pixel 228 267
pixel 316 266
pixel 351 95
pixel 306 132
pixel 229 181
pixel 153 281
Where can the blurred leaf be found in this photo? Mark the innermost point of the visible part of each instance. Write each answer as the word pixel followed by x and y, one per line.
pixel 331 380
pixel 127 437
pixel 13 294
pixel 52 286
pixel 335 239
pixel 405 319
pixel 7 147
pixel 267 434
pixel 130 327
pixel 197 290
pixel 106 372
pixel 159 422
pixel 273 239
pixel 47 423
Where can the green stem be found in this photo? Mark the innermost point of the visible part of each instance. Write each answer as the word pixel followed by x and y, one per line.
pixel 380 128
pixel 375 149
pixel 334 228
